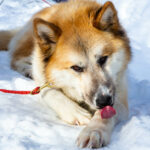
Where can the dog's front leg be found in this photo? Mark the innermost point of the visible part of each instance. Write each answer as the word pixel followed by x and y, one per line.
pixel 66 109
pixel 98 132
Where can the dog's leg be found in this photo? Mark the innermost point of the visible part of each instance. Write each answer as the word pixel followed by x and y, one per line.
pixel 98 131
pixel 20 48
pixel 66 109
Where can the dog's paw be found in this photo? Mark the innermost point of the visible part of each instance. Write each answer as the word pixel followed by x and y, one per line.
pixel 76 116
pixel 27 72
pixel 81 117
pixel 89 138
pixel 28 75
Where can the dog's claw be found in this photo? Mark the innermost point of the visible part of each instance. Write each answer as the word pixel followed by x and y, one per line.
pixel 77 116
pixel 91 139
pixel 95 140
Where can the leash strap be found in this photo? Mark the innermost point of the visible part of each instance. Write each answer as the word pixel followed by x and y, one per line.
pixel 33 92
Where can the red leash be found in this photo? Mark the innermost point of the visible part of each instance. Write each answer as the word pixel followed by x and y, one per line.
pixel 33 92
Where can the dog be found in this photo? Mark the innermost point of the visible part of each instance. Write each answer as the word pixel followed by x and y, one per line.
pixel 80 47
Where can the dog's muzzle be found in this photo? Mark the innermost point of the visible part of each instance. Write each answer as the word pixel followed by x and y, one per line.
pixel 104 97
pixel 104 100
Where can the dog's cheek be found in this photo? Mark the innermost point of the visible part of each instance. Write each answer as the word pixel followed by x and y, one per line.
pixel 68 82
pixel 116 64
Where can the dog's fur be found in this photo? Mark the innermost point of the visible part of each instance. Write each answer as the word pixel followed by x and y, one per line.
pixel 64 44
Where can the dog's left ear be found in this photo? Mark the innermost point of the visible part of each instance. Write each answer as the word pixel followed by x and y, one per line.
pixel 106 17
pixel 47 35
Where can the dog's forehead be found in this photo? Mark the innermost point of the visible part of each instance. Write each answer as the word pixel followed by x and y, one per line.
pixel 97 49
pixel 83 56
pixel 89 47
pixel 82 47
pixel 82 50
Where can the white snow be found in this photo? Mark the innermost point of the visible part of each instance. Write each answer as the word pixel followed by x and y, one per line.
pixel 27 125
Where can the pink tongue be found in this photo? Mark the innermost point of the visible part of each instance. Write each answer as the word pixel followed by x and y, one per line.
pixel 107 112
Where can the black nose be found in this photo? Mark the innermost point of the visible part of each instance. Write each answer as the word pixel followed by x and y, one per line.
pixel 103 101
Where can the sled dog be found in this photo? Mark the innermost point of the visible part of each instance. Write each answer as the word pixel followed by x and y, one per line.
pixel 80 47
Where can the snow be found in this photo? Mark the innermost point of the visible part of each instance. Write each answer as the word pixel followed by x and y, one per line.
pixel 25 124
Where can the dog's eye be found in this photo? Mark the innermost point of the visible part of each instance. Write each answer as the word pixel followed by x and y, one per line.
pixel 77 68
pixel 102 60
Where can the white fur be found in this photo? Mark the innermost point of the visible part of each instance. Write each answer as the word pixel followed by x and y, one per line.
pixel 96 52
pixel 38 67
pixel 115 63
pixel 107 15
pixel 105 90
pixel 70 84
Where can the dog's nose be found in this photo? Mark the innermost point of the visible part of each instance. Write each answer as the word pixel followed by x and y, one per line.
pixel 104 100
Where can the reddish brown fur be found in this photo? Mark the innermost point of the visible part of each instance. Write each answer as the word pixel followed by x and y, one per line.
pixel 24 48
pixel 5 37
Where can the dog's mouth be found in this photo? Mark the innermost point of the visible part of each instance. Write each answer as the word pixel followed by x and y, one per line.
pixel 99 103
pixel 102 106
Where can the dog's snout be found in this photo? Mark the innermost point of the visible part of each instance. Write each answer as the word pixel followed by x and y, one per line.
pixel 104 100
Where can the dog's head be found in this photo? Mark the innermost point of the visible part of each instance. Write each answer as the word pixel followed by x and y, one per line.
pixel 85 51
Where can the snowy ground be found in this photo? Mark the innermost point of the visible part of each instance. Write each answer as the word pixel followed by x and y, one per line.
pixel 26 125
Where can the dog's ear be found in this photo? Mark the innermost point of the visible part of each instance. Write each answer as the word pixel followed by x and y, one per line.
pixel 47 35
pixel 106 17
